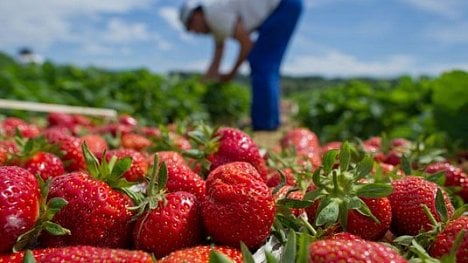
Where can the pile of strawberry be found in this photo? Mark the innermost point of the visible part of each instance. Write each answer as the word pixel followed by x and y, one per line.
pixel 77 190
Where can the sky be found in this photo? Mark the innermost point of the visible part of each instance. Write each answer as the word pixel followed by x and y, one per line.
pixel 334 38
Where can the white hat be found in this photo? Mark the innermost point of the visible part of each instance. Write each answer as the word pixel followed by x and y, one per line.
pixel 187 9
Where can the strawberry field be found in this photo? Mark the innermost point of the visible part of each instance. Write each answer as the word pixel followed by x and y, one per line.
pixel 365 172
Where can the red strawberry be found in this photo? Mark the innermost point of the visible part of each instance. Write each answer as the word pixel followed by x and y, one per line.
pixel 335 145
pixel 274 178
pixel 305 143
pixel 135 141
pixel 45 164
pixel 238 205
pixel 200 254
pixel 366 227
pixel 180 176
pixel 454 176
pixel 19 204
pixel 352 251
pixel 81 254
pixel 11 124
pixel 139 165
pixel 96 214
pixel 283 192
pixel 71 149
pixel 445 240
pixel 174 224
pixel 237 146
pixel 96 143
pixel 409 194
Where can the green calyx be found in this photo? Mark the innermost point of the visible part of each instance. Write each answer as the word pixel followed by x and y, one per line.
pixel 205 142
pixel 28 147
pixel 47 211
pixel 341 187
pixel 110 172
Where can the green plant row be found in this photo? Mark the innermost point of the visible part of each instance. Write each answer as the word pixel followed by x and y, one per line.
pixel 406 108
pixel 154 98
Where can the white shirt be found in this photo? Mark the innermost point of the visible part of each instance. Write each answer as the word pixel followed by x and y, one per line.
pixel 222 15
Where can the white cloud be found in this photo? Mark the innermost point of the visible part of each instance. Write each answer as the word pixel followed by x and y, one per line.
pixel 118 31
pixel 338 64
pixel 171 16
pixel 41 23
pixel 451 9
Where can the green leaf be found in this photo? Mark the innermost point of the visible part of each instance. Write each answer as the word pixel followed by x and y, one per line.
pixel 375 190
pixel 289 254
pixel 460 211
pixel 316 178
pixel 364 209
pixel 313 195
pixel 91 160
pixel 344 215
pixel 55 229
pixel 162 176
pixel 270 258
pixel 294 203
pixel 121 166
pixel 438 178
pixel 246 255
pixel 328 214
pixel 217 257
pixel 55 204
pixel 28 257
pixel 406 165
pixel 303 248
pixel 345 156
pixel 329 160
pixel 441 208
pixel 364 167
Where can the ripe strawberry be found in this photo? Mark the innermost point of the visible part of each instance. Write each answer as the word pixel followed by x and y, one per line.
pixel 201 254
pixel 352 251
pixel 454 176
pixel 96 143
pixel 174 224
pixel 81 254
pixel 274 178
pixel 364 226
pixel 135 141
pixel 96 214
pixel 335 145
pixel 237 146
pixel 238 205
pixel 45 164
pixel 139 165
pixel 305 143
pixel 180 176
pixel 284 192
pixel 445 240
pixel 19 204
pixel 11 124
pixel 70 147
pixel 409 194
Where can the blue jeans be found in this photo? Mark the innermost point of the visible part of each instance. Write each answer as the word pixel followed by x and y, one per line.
pixel 265 60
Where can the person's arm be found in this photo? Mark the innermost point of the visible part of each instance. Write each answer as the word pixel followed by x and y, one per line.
pixel 243 37
pixel 213 70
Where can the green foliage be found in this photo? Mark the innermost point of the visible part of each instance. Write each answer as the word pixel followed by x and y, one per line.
pixel 404 108
pixel 154 98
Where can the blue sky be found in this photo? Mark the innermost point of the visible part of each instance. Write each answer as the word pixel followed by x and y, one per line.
pixel 335 38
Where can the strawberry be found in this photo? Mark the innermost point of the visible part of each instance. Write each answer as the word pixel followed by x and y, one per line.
pixel 444 241
pixel 96 214
pixel 70 147
pixel 96 143
pixel 238 205
pixel 201 254
pixel 11 124
pixel 288 192
pixel 45 164
pixel 304 143
pixel 139 165
pixel 174 224
pixel 330 146
pixel 19 204
pixel 180 176
pixel 409 195
pixel 342 195
pixel 274 178
pixel 454 176
pixel 81 254
pixel 352 250
pixel 135 141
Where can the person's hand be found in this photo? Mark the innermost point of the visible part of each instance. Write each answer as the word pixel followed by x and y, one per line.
pixel 223 78
pixel 211 75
